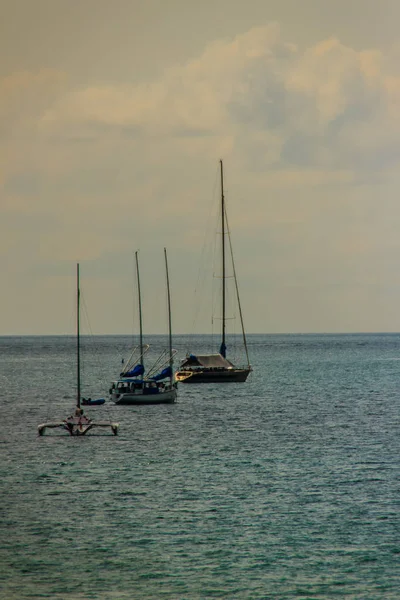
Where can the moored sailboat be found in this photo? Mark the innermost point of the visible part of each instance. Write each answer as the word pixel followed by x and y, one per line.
pixel 217 368
pixel 78 423
pixel 158 386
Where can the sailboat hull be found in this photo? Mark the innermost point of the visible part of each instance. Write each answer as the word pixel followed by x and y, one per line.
pixel 78 426
pixel 167 397
pixel 213 376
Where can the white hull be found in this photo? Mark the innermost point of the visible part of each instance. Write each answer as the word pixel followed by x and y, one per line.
pixel 162 397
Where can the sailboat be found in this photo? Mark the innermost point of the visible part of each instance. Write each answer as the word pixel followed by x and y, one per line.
pixel 158 386
pixel 78 423
pixel 217 368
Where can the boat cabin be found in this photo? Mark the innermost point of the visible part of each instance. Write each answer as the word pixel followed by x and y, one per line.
pixel 135 386
pixel 206 361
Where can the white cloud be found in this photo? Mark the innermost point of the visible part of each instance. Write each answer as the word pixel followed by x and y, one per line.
pixel 327 107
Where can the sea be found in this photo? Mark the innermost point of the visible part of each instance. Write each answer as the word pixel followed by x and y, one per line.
pixel 286 486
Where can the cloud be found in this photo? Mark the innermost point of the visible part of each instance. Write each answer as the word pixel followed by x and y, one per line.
pixel 310 140
pixel 257 99
pixel 25 96
pixel 327 107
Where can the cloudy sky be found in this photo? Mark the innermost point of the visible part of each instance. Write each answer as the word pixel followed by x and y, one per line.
pixel 113 117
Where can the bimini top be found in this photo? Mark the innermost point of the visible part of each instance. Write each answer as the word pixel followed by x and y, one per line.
pixel 207 360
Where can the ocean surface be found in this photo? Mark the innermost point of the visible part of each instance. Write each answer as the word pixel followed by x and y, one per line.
pixel 286 486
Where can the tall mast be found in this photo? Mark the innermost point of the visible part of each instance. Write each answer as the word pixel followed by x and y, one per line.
pixel 78 346
pixel 223 345
pixel 169 316
pixel 140 309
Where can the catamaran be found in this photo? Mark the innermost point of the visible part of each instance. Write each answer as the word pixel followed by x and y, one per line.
pixel 158 386
pixel 217 368
pixel 78 423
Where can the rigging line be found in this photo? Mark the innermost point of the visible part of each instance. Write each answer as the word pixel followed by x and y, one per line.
pixel 94 349
pixel 226 318
pixel 134 295
pixel 199 302
pixel 125 347
pixel 136 307
pixel 122 347
pixel 201 271
pixel 162 361
pixel 166 298
pixel 89 326
pixel 216 289
pixel 237 291
pixel 96 353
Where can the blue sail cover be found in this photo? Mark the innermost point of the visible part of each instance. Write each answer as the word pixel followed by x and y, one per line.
pixel 222 350
pixel 167 372
pixel 135 372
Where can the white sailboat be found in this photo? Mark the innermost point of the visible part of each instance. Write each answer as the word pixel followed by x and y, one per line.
pixel 217 368
pixel 158 386
pixel 78 423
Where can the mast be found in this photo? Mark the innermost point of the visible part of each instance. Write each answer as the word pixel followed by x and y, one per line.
pixel 140 309
pixel 223 345
pixel 169 317
pixel 78 346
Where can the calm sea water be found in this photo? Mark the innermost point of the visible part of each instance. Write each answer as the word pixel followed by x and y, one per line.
pixel 284 487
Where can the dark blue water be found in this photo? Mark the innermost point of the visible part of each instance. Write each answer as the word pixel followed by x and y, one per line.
pixel 284 487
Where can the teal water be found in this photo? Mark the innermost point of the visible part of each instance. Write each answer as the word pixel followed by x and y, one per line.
pixel 284 487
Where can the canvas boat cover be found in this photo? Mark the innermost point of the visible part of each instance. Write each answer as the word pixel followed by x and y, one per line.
pixel 206 360
pixel 167 372
pixel 135 372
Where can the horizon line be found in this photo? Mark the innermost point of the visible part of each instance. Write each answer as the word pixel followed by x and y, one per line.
pixel 3 335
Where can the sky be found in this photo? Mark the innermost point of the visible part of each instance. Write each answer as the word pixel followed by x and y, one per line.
pixel 113 119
